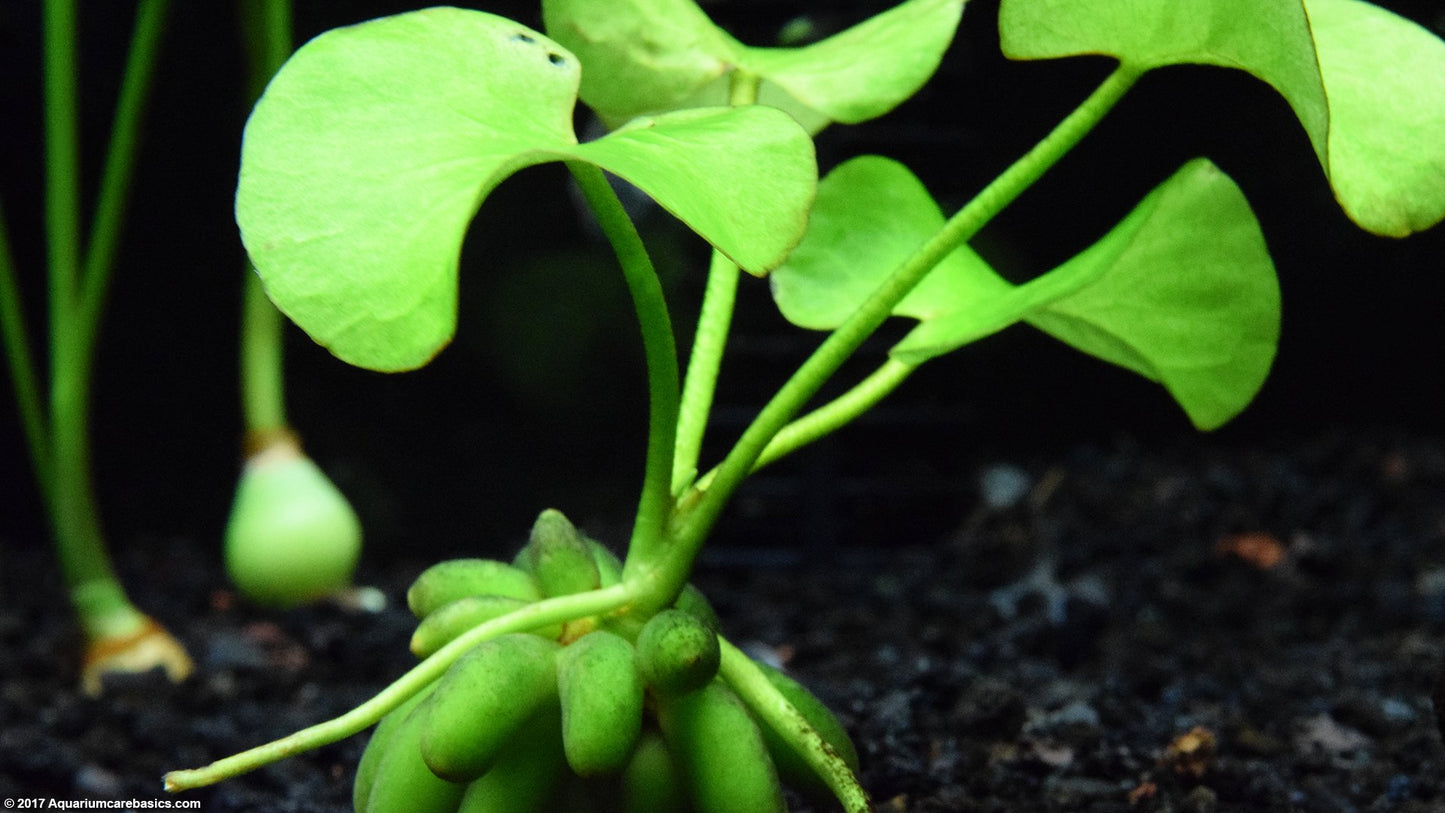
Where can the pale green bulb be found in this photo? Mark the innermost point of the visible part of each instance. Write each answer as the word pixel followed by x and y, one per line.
pixel 292 536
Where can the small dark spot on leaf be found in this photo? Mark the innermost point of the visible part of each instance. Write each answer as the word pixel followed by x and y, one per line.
pixel 557 59
pixel 520 37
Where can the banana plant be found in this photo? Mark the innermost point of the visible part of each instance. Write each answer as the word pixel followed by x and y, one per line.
pixel 292 537
pixel 570 678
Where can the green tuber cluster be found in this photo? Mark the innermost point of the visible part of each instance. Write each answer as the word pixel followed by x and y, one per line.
pixel 606 712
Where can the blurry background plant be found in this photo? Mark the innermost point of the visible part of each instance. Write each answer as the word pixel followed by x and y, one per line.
pixel 55 409
pixel 292 536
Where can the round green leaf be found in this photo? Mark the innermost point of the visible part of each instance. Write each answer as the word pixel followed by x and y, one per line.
pixel 1385 79
pixel 1182 291
pixel 367 157
pixel 647 56
pixel 743 178
pixel 1368 86
pixel 642 56
pixel 867 70
pixel 871 214
pixel 371 150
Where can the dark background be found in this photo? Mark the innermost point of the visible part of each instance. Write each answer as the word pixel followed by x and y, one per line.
pixel 540 401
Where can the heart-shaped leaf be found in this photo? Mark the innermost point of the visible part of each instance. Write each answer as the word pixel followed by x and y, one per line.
pixel 373 147
pixel 1182 291
pixel 870 215
pixel 1384 78
pixel 1368 85
pixel 743 178
pixel 642 56
pixel 647 56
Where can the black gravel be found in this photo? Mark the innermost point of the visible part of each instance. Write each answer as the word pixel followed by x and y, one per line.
pixel 1090 619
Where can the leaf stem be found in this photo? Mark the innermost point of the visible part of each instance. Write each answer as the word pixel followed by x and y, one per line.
pixel 16 336
pixel 263 386
pixel 267 25
pixel 713 323
pixel 119 166
pixel 769 705
pixel 693 526
pixel 659 350
pixel 540 614
pixel 836 413
pixel 102 607
pixel 99 600
pixel 831 416
pixel 62 162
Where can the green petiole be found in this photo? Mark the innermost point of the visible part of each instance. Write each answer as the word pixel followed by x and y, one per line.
pixel 710 338
pixel 693 527
pixel 660 351
pixel 119 637
pixel 263 389
pixel 16 337
pixel 119 166
pixel 769 706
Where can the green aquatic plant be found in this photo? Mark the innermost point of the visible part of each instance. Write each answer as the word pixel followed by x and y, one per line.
pixel 570 679
pixel 55 410
pixel 292 536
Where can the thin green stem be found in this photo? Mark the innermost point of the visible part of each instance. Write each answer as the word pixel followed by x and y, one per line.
pixel 16 336
pixel 559 610
pixel 99 600
pixel 713 323
pixel 79 544
pixel 694 525
pixel 267 27
pixel 836 413
pixel 62 161
pixel 119 167
pixel 263 384
pixel 267 24
pixel 659 351
pixel 769 705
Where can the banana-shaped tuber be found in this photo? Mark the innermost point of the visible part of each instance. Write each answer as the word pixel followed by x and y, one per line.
pixel 448 581
pixel 528 772
pixel 691 600
pixel 601 693
pixel 402 781
pixel 378 746
pixel 559 557
pixel 793 770
pixel 677 652
pixel 456 617
pixel 481 701
pixel 651 782
pixel 724 761
pixel 609 567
